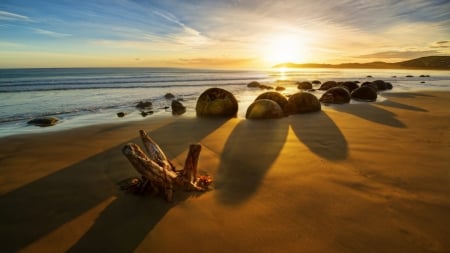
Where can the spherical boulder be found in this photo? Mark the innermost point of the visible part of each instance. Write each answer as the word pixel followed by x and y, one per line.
pixel 302 102
pixel 253 84
pixel 264 109
pixel 381 85
pixel 316 82
pixel 336 95
pixel 364 93
pixel 328 85
pixel 350 86
pixel 279 98
pixel 216 102
pixel 305 85
pixel 371 85
pixel 43 121
pixel 177 107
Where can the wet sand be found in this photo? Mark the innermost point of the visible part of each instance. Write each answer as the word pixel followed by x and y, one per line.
pixel 369 177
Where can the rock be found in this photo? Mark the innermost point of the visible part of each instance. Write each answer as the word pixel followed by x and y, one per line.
pixel 264 109
pixel 274 96
pixel 121 114
pixel 145 113
pixel 381 85
pixel 43 121
pixel 409 76
pixel 328 85
pixel 216 102
pixel 302 102
pixel 394 76
pixel 336 95
pixel 253 84
pixel 169 96
pixel 280 88
pixel 371 85
pixel 316 82
pixel 364 93
pixel 143 104
pixel 369 76
pixel 388 86
pixel 265 87
pixel 177 107
pixel 305 85
pixel 350 86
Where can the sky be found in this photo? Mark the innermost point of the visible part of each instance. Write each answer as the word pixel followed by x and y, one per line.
pixel 225 34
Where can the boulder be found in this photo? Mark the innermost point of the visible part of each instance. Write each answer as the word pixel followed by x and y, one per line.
pixel 305 85
pixel 43 121
pixel 274 96
pixel 169 96
pixel 381 85
pixel 388 86
pixel 264 109
pixel 350 86
pixel 216 102
pixel 253 84
pixel 302 102
pixel 336 95
pixel 177 107
pixel 371 85
pixel 143 104
pixel 328 85
pixel 280 88
pixel 316 82
pixel 364 93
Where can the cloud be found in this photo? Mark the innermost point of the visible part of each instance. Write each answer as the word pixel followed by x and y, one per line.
pixel 4 15
pixel 217 62
pixel 408 54
pixel 441 44
pixel 51 33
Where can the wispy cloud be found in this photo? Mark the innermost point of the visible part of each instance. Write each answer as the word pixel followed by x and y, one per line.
pixel 400 54
pixel 441 44
pixel 51 33
pixel 4 15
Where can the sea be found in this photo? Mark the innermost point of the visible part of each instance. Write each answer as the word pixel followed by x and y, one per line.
pixel 88 96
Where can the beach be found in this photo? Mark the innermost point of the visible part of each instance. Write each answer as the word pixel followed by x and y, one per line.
pixel 363 177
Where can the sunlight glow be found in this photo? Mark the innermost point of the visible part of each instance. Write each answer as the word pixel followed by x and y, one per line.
pixel 284 48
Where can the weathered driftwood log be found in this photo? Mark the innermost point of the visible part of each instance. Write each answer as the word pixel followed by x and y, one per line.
pixel 158 172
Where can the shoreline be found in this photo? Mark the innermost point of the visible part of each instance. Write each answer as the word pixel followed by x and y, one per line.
pixel 346 179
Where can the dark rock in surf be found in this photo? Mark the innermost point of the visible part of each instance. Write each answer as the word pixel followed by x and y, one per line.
pixel 43 121
pixel 336 95
pixel 169 96
pixel 144 104
pixel 350 86
pixel 253 84
pixel 304 85
pixel 328 85
pixel 177 107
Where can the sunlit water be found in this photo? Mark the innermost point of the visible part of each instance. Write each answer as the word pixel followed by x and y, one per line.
pixel 87 96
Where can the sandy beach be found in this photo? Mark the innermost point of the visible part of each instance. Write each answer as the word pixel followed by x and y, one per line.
pixel 371 177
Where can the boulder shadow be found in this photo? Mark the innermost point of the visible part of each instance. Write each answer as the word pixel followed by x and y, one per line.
pixel 405 94
pixel 320 135
pixel 39 208
pixel 393 104
pixel 372 113
pixel 244 163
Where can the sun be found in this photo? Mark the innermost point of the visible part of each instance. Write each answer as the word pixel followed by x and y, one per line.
pixel 284 48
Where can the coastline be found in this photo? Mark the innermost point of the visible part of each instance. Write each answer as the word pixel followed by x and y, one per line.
pixel 359 177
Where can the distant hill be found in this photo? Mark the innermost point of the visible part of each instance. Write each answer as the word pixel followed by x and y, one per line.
pixel 428 62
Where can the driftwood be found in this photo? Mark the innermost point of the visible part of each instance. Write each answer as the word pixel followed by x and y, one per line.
pixel 158 173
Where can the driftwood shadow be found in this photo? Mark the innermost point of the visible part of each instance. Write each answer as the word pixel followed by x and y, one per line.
pixel 244 164
pixel 329 142
pixel 373 113
pixel 39 208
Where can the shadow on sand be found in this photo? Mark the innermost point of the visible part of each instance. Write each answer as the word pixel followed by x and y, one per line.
pixel 373 113
pixel 39 208
pixel 328 143
pixel 250 160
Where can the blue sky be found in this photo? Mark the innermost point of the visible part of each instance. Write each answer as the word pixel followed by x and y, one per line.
pixel 219 34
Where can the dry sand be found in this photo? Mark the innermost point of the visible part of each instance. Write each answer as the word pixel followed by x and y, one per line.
pixel 354 178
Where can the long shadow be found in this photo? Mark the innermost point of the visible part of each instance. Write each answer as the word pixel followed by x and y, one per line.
pixel 244 164
pixel 393 104
pixel 38 208
pixel 405 94
pixel 372 113
pixel 328 143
